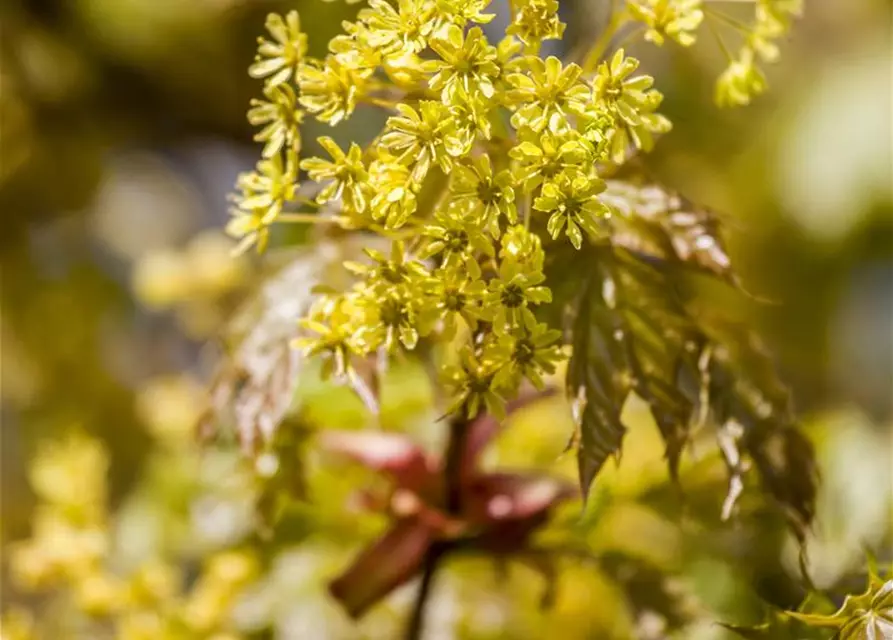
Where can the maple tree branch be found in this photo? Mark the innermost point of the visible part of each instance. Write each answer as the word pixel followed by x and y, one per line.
pixel 453 503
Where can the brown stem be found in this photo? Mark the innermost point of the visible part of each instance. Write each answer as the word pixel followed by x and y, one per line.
pixel 417 618
pixel 453 503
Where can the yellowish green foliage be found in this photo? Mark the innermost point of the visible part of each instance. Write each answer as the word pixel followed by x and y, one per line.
pixel 70 556
pixel 198 282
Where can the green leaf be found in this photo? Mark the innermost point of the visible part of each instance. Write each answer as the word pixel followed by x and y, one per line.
pixel 868 616
pixel 759 632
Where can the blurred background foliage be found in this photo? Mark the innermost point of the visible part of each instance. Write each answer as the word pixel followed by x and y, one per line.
pixel 122 129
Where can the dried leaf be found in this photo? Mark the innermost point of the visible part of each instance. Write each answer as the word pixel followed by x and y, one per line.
pixel 253 388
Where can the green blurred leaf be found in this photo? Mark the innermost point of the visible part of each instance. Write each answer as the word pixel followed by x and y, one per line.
pixel 868 616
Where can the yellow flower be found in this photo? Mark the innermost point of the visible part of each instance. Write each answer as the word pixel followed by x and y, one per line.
pixel 573 205
pixel 395 199
pixel 740 82
pixel 455 238
pixel 346 171
pixel 354 49
pixel 329 89
pixel 278 59
pixel 59 551
pixel 547 95
pixel 70 474
pixel 460 12
pixel 522 246
pixel 471 385
pixel 467 64
pixel 471 115
pixel 402 30
pixel 17 624
pixel 457 295
pixel 422 138
pixel 676 19
pixel 281 118
pixel 530 351
pixel 484 195
pixel 516 288
pixel 535 21
pixel 171 407
pixel 542 156
pixel 263 194
pixel 630 102
pixel 392 321
pixel 333 319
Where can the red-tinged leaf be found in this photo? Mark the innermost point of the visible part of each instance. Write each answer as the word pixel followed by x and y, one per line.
pixel 391 453
pixel 499 497
pixel 381 568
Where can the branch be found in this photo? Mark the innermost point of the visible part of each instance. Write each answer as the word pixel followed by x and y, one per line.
pixel 417 619
pixel 453 498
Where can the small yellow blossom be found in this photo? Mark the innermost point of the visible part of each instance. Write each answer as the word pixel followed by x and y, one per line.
pixel 279 59
pixel 329 89
pixel 675 19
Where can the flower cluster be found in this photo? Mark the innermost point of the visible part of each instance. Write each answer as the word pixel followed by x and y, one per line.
pixel 490 152
pixel 743 79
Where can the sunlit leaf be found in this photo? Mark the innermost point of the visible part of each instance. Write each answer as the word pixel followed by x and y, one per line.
pixel 598 374
pixel 633 330
pixel 656 224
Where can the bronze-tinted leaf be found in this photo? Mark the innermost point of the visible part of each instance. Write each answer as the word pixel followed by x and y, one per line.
pixel 657 224
pixel 631 329
pixel 598 374
pixel 747 395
